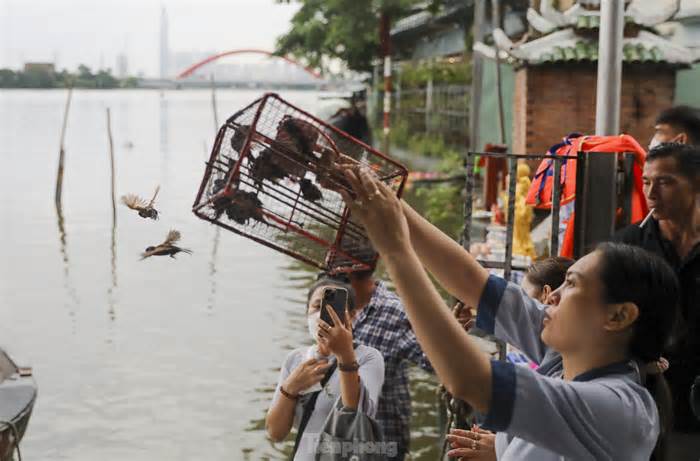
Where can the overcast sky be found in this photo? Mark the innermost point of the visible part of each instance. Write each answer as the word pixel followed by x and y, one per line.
pixel 94 32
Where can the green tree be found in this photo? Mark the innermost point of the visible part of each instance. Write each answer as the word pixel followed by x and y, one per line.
pixel 8 79
pixel 342 29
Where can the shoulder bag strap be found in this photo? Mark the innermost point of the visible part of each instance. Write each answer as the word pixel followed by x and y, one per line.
pixel 309 409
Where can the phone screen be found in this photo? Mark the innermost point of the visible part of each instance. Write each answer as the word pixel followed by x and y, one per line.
pixel 337 298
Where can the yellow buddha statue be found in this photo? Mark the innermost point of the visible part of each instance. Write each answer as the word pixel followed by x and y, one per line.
pixel 522 240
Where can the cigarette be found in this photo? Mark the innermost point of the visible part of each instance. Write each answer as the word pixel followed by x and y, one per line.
pixel 647 218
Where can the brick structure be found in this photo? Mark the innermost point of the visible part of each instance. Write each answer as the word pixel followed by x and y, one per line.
pixel 551 101
pixel 556 70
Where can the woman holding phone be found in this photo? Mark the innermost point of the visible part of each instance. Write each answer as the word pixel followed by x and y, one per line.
pixel 312 379
pixel 614 311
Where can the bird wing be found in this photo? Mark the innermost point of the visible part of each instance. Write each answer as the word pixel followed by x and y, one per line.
pixel 155 194
pixel 134 202
pixel 173 236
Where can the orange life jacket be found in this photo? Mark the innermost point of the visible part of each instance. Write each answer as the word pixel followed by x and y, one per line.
pixel 540 193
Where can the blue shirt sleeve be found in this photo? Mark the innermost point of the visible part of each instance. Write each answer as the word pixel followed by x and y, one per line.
pixel 506 312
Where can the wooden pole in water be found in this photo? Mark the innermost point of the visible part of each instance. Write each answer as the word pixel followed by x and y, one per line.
pixel 213 105
pixel 113 246
pixel 111 163
pixel 62 152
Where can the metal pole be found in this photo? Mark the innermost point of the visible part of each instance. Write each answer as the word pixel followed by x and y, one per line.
pixel 556 206
pixel 477 76
pixel 510 219
pixel 428 102
pixel 468 197
pixel 385 38
pixel 496 20
pixel 609 67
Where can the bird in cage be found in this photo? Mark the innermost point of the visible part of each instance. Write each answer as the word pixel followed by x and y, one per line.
pixel 239 136
pixel 244 206
pixel 309 190
pixel 265 166
pixel 294 146
pixel 145 209
pixel 167 248
pixel 240 206
pixel 218 186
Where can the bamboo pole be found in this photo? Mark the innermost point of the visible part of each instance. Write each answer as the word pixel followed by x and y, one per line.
pixel 113 246
pixel 62 152
pixel 213 104
pixel 217 231
pixel 111 163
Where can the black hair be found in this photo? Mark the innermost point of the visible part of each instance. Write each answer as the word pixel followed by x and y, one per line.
pixel 335 283
pixel 684 119
pixel 550 271
pixel 632 274
pixel 362 275
pixel 687 158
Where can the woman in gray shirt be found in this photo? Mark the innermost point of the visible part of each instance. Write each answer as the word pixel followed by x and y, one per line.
pixel 616 307
pixel 356 381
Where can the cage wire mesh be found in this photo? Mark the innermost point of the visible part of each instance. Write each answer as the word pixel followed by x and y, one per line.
pixel 273 177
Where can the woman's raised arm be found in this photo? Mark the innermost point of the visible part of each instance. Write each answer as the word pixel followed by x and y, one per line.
pixel 453 267
pixel 440 336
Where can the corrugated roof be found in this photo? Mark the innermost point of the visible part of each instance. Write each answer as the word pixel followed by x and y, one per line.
pixel 415 22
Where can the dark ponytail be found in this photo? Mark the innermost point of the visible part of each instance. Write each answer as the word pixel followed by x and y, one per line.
pixel 631 274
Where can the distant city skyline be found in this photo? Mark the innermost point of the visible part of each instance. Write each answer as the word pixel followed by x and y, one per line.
pixel 125 34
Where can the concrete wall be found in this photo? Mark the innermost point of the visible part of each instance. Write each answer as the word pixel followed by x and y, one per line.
pixel 488 112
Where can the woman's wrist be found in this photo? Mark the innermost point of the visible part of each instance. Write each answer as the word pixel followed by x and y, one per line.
pixel 289 395
pixel 290 388
pixel 347 357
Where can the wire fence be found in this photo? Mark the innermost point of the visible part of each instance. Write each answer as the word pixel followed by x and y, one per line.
pixel 439 110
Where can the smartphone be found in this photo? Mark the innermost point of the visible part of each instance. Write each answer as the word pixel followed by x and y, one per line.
pixel 337 298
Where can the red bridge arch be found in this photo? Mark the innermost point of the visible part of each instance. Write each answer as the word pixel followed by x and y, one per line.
pixel 187 72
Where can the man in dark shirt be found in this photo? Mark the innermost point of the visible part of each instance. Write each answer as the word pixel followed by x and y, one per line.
pixel 672 189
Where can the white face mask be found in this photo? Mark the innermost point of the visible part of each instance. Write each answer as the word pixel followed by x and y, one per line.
pixel 654 142
pixel 312 323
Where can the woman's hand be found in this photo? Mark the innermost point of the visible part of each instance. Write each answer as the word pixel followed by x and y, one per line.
pixel 337 338
pixel 658 367
pixel 464 316
pixel 378 209
pixel 474 444
pixel 305 375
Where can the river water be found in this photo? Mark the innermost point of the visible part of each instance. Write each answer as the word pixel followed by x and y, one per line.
pixel 143 360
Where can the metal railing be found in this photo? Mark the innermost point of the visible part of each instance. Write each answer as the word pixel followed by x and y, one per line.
pixel 440 110
pixel 584 235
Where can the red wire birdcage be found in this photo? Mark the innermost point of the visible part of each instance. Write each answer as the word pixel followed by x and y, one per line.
pixel 271 178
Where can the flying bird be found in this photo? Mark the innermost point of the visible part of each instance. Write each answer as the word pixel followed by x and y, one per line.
pixel 167 248
pixel 145 209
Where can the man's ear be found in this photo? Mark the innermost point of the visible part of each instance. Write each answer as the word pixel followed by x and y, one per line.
pixel 621 316
pixel 683 138
pixel 546 291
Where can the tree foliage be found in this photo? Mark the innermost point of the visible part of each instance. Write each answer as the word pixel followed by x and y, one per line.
pixel 83 78
pixel 340 29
